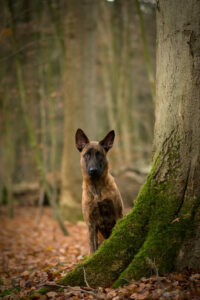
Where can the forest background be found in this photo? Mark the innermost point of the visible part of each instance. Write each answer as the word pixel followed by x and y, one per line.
pixel 66 65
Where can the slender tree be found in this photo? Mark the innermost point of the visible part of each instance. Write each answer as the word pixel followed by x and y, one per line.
pixel 32 138
pixel 163 227
pixel 146 51
pixel 106 57
pixel 9 155
pixel 80 97
pixel 38 14
pixel 114 31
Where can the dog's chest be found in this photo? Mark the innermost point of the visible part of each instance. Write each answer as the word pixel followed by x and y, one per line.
pixel 98 204
pixel 103 216
pixel 101 210
pixel 100 207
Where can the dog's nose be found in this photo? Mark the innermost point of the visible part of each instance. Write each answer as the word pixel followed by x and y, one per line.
pixel 93 171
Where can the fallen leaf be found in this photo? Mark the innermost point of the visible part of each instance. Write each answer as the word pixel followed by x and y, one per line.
pixel 52 294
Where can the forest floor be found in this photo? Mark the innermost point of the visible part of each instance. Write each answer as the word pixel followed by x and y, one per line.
pixel 32 256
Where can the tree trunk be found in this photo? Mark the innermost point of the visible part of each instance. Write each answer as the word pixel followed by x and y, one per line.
pixel 150 72
pixel 27 120
pixel 9 155
pixel 80 98
pixel 162 231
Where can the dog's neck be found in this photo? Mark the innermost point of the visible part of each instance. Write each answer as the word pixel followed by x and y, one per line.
pixel 98 185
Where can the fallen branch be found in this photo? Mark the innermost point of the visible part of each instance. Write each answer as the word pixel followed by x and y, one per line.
pixel 128 281
pixel 55 285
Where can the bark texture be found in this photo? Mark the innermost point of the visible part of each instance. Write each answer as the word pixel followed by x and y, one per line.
pixel 80 93
pixel 161 233
pixel 178 111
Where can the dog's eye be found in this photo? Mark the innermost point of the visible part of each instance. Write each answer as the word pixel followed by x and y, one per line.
pixel 87 155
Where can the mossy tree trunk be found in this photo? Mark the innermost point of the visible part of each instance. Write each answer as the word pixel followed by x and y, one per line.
pixel 162 233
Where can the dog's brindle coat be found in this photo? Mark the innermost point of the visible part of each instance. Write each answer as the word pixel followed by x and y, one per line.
pixel 101 199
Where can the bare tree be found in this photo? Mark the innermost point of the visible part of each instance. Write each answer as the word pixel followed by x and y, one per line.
pixel 80 97
pixel 32 138
pixel 9 154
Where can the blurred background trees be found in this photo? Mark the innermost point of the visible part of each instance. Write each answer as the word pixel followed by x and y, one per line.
pixel 67 64
pixel 80 96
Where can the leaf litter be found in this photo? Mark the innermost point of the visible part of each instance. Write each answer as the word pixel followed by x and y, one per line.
pixel 32 256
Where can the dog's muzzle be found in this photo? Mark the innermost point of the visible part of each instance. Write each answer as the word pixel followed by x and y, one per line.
pixel 94 172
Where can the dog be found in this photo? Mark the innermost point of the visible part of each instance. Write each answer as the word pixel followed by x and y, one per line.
pixel 102 204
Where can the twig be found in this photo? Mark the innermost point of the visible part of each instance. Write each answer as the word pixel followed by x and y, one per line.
pixel 128 281
pixel 152 263
pixel 85 279
pixel 70 288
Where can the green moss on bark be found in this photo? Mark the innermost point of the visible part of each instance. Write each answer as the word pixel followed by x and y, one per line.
pixel 165 237
pixel 158 253
pixel 146 236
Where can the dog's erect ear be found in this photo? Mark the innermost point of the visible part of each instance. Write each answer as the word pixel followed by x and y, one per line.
pixel 81 139
pixel 107 142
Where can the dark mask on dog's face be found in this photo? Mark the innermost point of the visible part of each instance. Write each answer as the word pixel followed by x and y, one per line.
pixel 94 153
pixel 95 161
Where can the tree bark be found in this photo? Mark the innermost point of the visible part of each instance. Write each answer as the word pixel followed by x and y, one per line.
pixel 162 230
pixel 178 118
pixel 80 95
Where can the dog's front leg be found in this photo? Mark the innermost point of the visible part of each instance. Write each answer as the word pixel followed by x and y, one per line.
pixel 93 238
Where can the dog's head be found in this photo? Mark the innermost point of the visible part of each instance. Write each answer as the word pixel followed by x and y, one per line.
pixel 93 154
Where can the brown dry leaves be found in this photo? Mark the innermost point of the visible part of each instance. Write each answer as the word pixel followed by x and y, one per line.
pixel 32 256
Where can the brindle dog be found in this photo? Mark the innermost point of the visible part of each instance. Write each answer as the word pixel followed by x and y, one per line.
pixel 101 200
